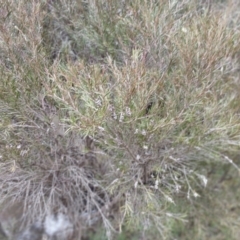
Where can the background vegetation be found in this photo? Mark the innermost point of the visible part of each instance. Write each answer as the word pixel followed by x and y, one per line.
pixel 123 114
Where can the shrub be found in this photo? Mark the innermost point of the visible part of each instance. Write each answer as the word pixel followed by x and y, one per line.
pixel 116 113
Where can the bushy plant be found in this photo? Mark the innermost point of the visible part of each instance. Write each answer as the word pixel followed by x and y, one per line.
pixel 118 114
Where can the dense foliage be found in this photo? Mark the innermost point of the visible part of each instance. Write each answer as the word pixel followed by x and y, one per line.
pixel 122 114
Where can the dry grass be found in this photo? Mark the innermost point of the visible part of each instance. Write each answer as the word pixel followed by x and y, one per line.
pixel 119 113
